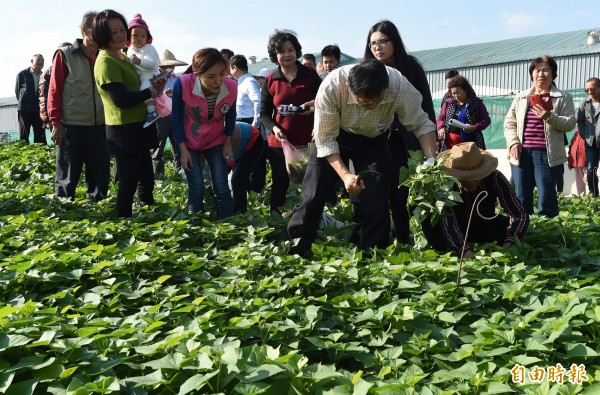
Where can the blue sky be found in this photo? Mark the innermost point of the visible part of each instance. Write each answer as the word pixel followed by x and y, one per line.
pixel 183 27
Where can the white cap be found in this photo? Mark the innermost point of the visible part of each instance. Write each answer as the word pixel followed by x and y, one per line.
pixel 264 72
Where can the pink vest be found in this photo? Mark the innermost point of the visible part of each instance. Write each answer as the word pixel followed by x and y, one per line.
pixel 202 133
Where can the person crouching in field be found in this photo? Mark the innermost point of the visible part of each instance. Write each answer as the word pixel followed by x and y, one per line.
pixel 480 185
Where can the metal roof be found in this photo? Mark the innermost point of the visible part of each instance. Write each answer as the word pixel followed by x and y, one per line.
pixel 506 51
pixel 8 101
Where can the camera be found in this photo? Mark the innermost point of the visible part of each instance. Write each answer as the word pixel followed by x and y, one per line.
pixel 285 110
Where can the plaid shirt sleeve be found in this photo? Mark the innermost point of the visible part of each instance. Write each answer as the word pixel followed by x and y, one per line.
pixel 327 118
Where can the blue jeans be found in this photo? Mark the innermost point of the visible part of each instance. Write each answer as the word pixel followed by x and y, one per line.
pixel 592 154
pixel 534 171
pixel 218 171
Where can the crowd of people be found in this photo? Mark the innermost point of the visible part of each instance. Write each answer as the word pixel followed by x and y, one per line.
pixel 111 94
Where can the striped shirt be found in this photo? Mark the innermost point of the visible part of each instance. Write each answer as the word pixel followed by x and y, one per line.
pixel 533 133
pixel 211 101
pixel 336 108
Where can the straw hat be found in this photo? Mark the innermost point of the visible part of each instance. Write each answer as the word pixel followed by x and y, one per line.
pixel 168 59
pixel 467 162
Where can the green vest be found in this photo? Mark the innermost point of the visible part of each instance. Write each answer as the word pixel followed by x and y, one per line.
pixel 110 69
pixel 82 105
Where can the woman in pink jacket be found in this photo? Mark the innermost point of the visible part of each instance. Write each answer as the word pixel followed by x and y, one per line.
pixel 203 122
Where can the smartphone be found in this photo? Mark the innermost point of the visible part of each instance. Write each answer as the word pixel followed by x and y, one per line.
pixel 165 73
pixel 544 101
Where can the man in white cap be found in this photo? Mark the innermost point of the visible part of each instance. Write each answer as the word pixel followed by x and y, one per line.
pixel 476 172
pixel 163 125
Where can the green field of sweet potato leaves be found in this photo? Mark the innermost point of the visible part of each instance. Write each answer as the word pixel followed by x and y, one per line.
pixel 173 303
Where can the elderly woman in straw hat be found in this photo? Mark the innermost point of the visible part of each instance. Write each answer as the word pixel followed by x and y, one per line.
pixel 163 125
pixel 476 172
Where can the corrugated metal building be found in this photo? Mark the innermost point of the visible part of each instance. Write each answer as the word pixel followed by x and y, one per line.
pixel 9 121
pixel 502 67
pixel 498 68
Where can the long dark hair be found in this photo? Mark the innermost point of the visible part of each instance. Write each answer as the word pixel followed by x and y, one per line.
pixel 403 61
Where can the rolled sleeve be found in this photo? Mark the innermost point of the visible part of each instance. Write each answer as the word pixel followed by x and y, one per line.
pixel 408 108
pixel 327 122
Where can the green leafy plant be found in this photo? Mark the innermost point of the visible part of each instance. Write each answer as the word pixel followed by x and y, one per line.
pixel 169 302
pixel 430 191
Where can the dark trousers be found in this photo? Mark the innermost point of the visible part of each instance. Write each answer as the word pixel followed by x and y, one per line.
pixel 592 155
pixel 486 230
pixel 560 179
pixel 366 154
pixel 28 119
pixel 398 196
pixel 480 231
pixel 134 173
pixel 280 180
pixel 258 177
pixel 240 179
pixel 164 131
pixel 83 145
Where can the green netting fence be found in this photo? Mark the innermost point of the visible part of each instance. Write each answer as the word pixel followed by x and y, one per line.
pixel 498 107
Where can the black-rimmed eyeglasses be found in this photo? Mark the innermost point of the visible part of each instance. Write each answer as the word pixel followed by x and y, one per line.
pixel 379 43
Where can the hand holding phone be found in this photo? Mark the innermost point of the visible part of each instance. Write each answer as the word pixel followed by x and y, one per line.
pixel 543 100
pixel 164 73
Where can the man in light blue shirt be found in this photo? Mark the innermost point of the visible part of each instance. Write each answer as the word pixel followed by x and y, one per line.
pixel 248 97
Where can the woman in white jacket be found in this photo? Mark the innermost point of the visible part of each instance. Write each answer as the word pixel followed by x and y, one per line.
pixel 535 135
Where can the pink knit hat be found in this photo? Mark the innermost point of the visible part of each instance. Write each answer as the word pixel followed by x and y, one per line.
pixel 137 21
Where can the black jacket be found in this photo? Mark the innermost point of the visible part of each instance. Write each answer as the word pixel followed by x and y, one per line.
pixel 27 92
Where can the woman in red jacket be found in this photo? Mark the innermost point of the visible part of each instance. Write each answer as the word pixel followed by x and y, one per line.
pixel 576 160
pixel 290 84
